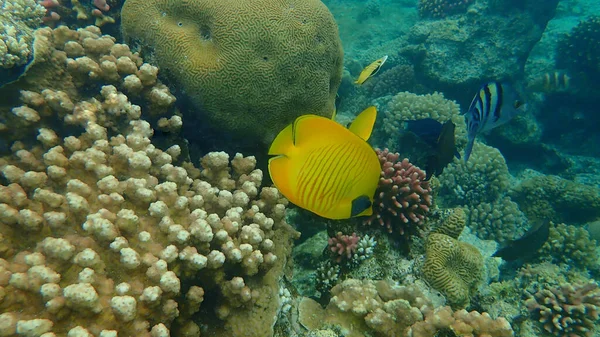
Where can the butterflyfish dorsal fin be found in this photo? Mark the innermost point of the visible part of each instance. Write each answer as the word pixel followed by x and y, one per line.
pixel 362 125
pixel 312 130
pixel 284 142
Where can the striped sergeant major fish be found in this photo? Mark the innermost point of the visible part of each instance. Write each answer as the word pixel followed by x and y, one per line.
pixel 495 104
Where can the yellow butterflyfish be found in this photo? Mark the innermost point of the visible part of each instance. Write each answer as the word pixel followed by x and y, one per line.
pixel 325 168
pixel 370 70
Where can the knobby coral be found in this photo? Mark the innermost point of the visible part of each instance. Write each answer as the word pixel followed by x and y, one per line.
pixel 568 310
pixel 461 323
pixel 343 246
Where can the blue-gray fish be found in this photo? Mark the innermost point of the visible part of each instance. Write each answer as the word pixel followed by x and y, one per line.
pixel 495 104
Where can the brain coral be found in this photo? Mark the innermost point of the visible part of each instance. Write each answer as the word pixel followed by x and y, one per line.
pixel 251 67
pixel 452 267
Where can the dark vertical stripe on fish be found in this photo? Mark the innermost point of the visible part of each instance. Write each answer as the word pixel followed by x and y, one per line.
pixel 488 103
pixel 499 101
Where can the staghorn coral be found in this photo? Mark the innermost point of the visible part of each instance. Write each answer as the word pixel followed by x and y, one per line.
pixel 461 323
pixel 402 199
pixel 453 224
pixel 442 8
pixel 552 197
pixel 252 67
pixel 18 20
pixel 571 245
pixel 501 220
pixel 567 310
pixel 482 179
pixel 452 267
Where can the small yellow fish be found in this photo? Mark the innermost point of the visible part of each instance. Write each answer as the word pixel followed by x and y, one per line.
pixel 557 81
pixel 325 168
pixel 370 70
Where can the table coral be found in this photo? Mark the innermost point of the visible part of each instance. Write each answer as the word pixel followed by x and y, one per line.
pixel 455 268
pixel 567 310
pixel 251 67
pixel 402 198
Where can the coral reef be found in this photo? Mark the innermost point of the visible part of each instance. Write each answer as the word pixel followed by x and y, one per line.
pixel 568 310
pixel 72 64
pixel 402 199
pixel 453 224
pixel 103 233
pixel 343 246
pixel 442 8
pixel 484 178
pixel 579 51
pixel 406 106
pixel 18 20
pixel 452 267
pixel 562 200
pixel 251 67
pixel 571 245
pixel 461 323
pixel 501 220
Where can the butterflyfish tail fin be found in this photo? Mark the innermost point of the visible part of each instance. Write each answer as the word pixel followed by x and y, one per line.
pixel 362 125
pixel 284 142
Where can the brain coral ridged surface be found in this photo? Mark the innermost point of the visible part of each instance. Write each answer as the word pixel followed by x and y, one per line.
pixel 251 67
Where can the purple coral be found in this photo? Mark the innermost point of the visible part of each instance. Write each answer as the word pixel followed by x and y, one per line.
pixel 570 310
pixel 343 245
pixel 403 197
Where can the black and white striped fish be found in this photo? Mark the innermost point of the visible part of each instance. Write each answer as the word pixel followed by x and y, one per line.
pixel 495 104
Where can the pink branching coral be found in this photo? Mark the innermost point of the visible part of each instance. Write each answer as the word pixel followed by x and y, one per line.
pixel 403 197
pixel 570 310
pixel 442 8
pixel 343 246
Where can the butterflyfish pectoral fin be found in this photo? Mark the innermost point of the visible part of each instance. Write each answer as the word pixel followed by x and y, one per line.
pixel 283 143
pixel 362 125
pixel 361 206
pixel 280 171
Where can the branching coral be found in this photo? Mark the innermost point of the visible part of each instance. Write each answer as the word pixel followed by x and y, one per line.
pixel 403 198
pixel 568 310
pixel 343 246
